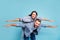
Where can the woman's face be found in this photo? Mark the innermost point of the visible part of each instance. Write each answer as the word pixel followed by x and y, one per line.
pixel 34 15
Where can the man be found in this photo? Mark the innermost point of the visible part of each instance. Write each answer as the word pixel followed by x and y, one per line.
pixel 31 18
pixel 29 27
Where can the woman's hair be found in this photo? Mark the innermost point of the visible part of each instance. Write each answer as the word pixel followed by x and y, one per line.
pixel 33 12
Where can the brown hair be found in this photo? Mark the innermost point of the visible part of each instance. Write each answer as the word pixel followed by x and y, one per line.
pixel 38 20
pixel 33 12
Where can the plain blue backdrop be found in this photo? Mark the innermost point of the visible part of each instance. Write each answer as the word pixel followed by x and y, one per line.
pixel 11 9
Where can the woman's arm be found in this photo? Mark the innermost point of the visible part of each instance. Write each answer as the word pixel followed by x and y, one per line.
pixel 46 19
pixel 16 20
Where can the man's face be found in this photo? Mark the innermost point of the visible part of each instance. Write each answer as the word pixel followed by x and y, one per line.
pixel 34 15
pixel 37 23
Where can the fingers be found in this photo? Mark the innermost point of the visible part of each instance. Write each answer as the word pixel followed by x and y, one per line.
pixel 8 21
pixel 53 26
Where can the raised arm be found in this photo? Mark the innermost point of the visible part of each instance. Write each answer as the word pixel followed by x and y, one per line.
pixel 45 26
pixel 45 19
pixel 16 20
pixel 49 26
pixel 17 25
pixel 10 25
pixel 24 19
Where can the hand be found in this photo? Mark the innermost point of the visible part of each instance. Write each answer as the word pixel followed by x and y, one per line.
pixel 53 26
pixel 8 21
pixel 11 20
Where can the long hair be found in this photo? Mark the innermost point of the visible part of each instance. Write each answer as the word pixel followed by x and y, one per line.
pixel 33 12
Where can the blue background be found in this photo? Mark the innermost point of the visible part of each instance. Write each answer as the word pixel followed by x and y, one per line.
pixel 11 9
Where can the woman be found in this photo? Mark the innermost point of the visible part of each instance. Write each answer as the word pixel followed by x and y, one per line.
pixel 30 18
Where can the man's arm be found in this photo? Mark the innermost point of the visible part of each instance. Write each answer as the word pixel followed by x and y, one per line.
pixel 17 25
pixel 10 25
pixel 49 26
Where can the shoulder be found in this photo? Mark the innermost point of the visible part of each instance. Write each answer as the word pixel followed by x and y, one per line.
pixel 27 17
pixel 43 25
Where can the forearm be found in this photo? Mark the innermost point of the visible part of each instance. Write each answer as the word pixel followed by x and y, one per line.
pixel 16 20
pixel 45 19
pixel 49 26
pixel 11 25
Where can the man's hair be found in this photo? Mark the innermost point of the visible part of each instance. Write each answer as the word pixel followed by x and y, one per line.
pixel 33 12
pixel 38 20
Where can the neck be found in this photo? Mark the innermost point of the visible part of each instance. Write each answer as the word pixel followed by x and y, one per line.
pixel 33 18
